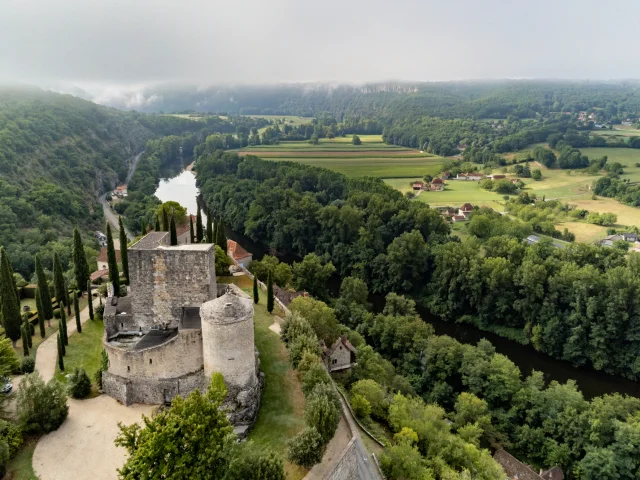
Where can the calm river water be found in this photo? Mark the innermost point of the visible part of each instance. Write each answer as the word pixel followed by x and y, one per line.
pixel 182 189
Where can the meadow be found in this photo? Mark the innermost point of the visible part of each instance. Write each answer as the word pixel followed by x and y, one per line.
pixel 373 158
pixel 290 119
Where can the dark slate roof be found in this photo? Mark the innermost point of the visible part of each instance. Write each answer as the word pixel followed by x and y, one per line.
pixel 151 240
pixel 513 467
pixel 155 338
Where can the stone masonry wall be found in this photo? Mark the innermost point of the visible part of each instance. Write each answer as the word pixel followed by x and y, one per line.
pixel 179 356
pixel 347 467
pixel 151 391
pixel 165 279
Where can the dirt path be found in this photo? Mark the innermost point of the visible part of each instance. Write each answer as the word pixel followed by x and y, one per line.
pixel 47 354
pixel 83 446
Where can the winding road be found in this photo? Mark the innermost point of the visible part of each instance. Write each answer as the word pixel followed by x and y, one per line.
pixel 111 217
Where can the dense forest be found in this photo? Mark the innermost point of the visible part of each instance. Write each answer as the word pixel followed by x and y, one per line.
pixel 578 303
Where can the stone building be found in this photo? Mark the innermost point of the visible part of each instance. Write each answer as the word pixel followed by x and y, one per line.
pixel 177 327
pixel 339 356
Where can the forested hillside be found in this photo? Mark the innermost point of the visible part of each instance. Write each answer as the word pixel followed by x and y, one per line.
pixel 57 154
pixel 523 99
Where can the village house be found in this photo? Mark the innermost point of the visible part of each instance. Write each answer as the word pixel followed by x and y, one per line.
pixel 103 262
pixel 437 185
pixel 470 176
pixel 340 356
pixel 446 175
pixel 239 254
pixel 518 470
pixel 183 232
pixel 458 218
pixel 419 185
pixel 515 181
pixel 627 237
pixel 102 238
pixel 465 210
pixel 497 176
pixel 120 191
pixel 462 176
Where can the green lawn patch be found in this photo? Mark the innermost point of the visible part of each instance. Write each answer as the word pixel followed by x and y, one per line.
pixel 21 466
pixel 84 351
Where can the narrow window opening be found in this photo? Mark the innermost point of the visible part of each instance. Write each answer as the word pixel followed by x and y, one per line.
pixel 128 368
pixel 150 361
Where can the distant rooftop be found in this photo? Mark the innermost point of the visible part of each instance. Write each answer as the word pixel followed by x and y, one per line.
pixel 151 241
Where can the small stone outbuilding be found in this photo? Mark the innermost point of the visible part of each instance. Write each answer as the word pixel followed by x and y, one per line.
pixel 515 469
pixel 340 356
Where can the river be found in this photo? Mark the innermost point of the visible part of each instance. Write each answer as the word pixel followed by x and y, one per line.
pixel 182 189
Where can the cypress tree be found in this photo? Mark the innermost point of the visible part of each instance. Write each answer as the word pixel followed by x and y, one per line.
pixel 15 285
pixel 62 327
pixel 124 252
pixel 256 295
pixel 58 282
pixel 29 328
pixel 221 240
pixel 90 300
pixel 25 340
pixel 214 229
pixel 43 332
pixel 68 301
pixel 60 354
pixel 143 227
pixel 209 227
pixel 9 305
pixel 192 236
pixel 165 220
pixel 173 234
pixel 80 266
pixel 157 229
pixel 270 299
pixel 45 293
pixel 114 276
pixel 199 230
pixel 76 307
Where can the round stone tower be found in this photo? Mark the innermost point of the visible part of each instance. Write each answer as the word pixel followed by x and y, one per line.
pixel 227 340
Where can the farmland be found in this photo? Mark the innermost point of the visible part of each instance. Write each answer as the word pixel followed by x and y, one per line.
pixel 372 158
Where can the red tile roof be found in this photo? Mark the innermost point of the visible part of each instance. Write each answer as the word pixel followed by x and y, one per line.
pixel 235 250
pixel 184 228
pixel 99 274
pixel 437 181
pixel 102 257
pixel 467 207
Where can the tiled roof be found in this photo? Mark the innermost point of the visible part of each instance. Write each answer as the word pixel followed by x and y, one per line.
pixel 235 250
pixel 102 257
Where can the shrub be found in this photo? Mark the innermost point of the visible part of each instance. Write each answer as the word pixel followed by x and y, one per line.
pixel 313 376
pixel 28 365
pixel 79 384
pixel 322 414
pixel 327 390
pixel 12 435
pixel 250 465
pixel 56 313
pixel 9 362
pixel 40 407
pixel 306 449
pixel 104 366
pixel 99 311
pixel 361 406
pixel 301 345
pixel 307 361
pixel 294 326
pixel 373 392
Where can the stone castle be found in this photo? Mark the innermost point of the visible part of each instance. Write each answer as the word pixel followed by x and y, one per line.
pixel 177 327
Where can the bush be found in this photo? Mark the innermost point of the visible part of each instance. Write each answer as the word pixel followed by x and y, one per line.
pixel 104 366
pixel 322 414
pixel 306 449
pixel 301 345
pixel 307 361
pixel 40 407
pixel 56 313
pixel 315 375
pixel 374 393
pixel 12 435
pixel 79 384
pixel 294 326
pixel 326 390
pixel 361 406
pixel 248 464
pixel 28 365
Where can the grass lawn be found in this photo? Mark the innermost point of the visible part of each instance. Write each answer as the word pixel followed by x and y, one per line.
pixel 622 132
pixel 20 467
pixel 584 232
pixel 458 192
pixel 281 414
pixel 84 351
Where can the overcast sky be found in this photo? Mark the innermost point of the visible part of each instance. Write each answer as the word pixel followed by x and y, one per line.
pixel 139 42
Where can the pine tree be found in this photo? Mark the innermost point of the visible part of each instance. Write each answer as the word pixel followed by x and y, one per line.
pixel 80 266
pixel 199 232
pixel 209 227
pixel 76 307
pixel 9 305
pixel 192 236
pixel 90 300
pixel 45 293
pixel 29 328
pixel 114 276
pixel 62 327
pixel 60 354
pixel 157 229
pixel 270 299
pixel 124 252
pixel 62 295
pixel 43 332
pixel 256 295
pixel 173 234
pixel 25 340
pixel 221 239
pixel 165 220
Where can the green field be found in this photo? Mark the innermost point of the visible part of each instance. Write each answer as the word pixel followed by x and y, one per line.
pixel 372 158
pixel 622 132
pixel 289 119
